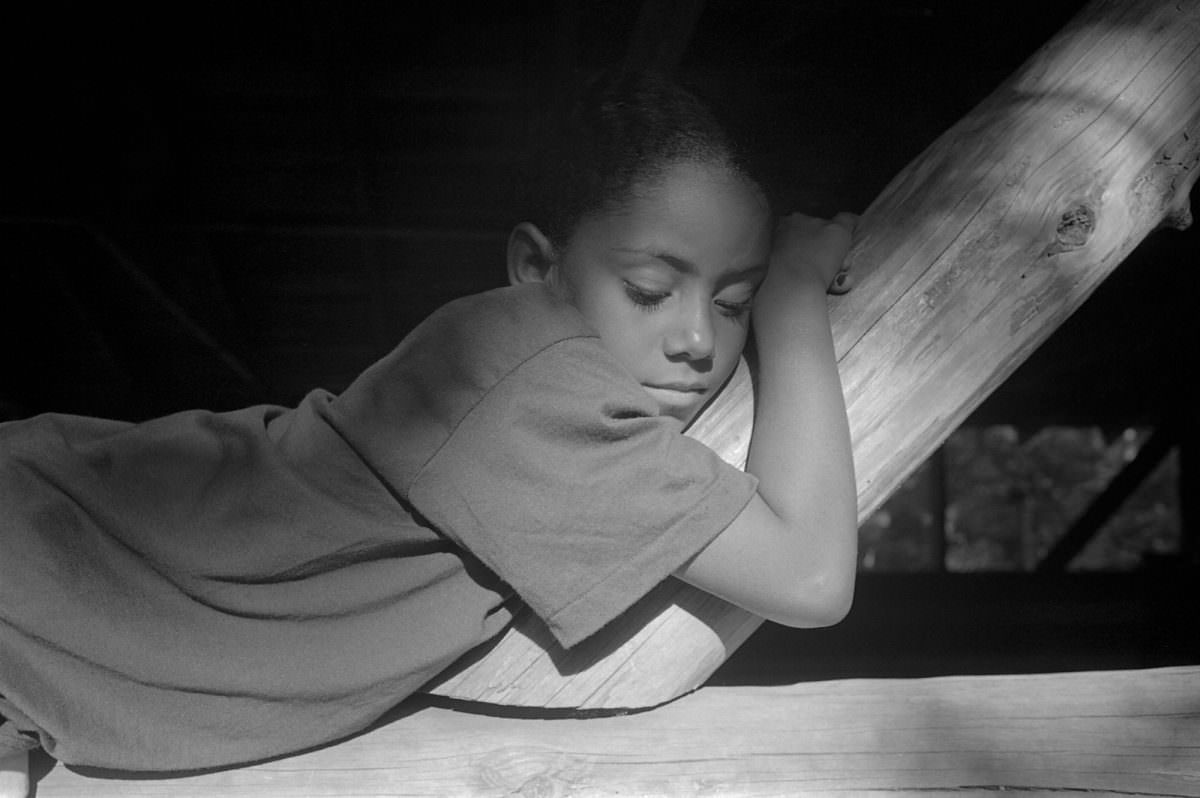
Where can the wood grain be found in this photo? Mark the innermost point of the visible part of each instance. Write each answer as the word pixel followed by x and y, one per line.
pixel 967 261
pixel 1108 733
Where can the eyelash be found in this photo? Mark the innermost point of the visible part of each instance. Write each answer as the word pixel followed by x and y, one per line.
pixel 645 300
pixel 653 300
pixel 734 310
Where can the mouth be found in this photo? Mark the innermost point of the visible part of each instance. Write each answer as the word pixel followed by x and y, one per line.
pixel 677 387
pixel 675 398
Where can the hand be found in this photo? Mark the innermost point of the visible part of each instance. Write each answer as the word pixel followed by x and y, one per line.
pixel 809 247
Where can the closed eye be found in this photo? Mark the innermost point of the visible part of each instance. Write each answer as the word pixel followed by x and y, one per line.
pixel 643 298
pixel 734 309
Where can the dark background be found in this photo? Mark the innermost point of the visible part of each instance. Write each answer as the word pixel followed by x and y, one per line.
pixel 218 204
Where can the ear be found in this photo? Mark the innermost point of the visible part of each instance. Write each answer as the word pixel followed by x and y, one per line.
pixel 531 256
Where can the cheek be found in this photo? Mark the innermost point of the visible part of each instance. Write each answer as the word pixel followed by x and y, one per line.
pixel 730 343
pixel 732 339
pixel 632 338
pixel 626 332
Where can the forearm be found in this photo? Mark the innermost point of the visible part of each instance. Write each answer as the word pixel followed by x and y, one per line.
pixel 14 775
pixel 800 449
pixel 790 555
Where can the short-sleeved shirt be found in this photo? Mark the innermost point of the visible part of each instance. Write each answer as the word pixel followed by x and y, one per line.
pixel 213 588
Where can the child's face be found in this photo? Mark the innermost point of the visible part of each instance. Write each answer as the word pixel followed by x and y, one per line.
pixel 668 280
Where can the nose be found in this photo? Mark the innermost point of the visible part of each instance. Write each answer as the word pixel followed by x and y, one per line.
pixel 691 336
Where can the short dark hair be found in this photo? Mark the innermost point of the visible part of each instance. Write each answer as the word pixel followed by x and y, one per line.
pixel 622 130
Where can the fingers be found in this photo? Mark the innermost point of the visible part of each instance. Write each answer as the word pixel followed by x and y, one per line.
pixel 826 241
pixel 843 281
pixel 847 220
pixel 796 220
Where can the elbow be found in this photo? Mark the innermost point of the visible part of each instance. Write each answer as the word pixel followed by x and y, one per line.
pixel 836 603
pixel 824 592
pixel 825 602
pixel 826 596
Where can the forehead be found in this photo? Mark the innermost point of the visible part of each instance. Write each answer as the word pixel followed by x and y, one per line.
pixel 703 213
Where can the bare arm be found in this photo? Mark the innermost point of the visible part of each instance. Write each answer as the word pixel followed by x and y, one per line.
pixel 791 554
pixel 14 775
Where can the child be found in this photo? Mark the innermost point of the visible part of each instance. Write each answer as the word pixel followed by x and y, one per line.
pixel 209 589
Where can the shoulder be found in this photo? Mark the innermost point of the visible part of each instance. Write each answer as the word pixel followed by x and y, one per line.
pixel 405 406
pixel 473 343
pixel 483 339
pixel 508 324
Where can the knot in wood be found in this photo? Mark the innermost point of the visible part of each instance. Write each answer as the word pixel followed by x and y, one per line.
pixel 1075 227
pixel 532 771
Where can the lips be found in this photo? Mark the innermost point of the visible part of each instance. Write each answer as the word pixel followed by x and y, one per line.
pixel 681 387
pixel 678 399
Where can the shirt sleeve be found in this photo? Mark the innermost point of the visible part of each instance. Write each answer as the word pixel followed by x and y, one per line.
pixel 564 481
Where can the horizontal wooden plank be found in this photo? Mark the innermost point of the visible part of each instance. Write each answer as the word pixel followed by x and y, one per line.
pixel 941 624
pixel 1110 732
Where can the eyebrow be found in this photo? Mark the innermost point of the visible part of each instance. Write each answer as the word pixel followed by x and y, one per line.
pixel 685 266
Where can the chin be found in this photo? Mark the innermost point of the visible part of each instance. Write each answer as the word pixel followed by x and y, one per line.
pixel 686 415
pixel 673 412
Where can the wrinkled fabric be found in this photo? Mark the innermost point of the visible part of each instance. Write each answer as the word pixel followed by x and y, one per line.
pixel 209 588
